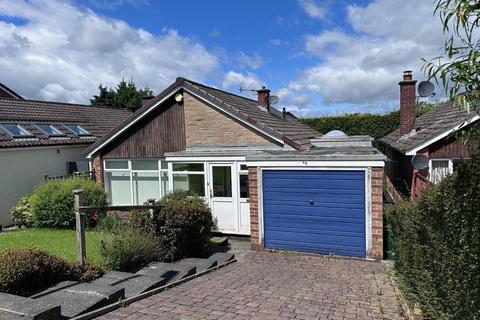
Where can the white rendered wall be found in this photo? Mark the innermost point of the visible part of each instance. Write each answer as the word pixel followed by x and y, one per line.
pixel 21 169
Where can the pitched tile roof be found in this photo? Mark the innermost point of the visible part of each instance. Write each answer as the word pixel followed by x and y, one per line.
pixel 443 118
pixel 6 92
pixel 290 130
pixel 27 113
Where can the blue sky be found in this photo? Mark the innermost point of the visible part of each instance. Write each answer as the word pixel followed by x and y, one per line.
pixel 319 56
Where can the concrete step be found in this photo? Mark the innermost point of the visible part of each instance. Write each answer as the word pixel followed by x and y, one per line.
pixel 132 283
pixel 222 257
pixel 201 264
pixel 80 298
pixel 171 272
pixel 16 307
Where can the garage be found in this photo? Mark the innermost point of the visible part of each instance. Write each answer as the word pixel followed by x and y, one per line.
pixel 318 211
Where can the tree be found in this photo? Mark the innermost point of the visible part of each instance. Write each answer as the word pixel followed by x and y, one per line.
pixel 125 96
pixel 458 68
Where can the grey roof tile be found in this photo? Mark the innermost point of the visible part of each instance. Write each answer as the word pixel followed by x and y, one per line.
pixel 98 121
pixel 444 117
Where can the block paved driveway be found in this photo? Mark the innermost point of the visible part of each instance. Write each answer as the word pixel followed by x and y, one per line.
pixel 264 285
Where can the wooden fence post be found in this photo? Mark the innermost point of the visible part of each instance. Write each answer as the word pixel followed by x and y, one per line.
pixel 80 227
pixel 151 202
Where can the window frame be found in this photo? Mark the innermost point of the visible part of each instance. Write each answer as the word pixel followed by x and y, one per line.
pixel 87 134
pixel 171 174
pixel 244 173
pixel 430 167
pixel 59 134
pixel 131 171
pixel 20 127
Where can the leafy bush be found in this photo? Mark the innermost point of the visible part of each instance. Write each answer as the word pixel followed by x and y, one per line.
pixel 128 249
pixel 26 271
pixel 374 125
pixel 21 213
pixel 52 202
pixel 437 245
pixel 109 224
pixel 185 222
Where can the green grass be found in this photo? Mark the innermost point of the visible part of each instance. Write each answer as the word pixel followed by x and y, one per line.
pixel 58 242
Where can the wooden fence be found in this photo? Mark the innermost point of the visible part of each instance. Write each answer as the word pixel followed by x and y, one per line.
pixel 82 211
pixel 86 174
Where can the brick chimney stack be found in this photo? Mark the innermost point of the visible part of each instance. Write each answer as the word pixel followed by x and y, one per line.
pixel 264 98
pixel 408 105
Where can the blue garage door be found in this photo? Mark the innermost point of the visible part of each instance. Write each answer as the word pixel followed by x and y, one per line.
pixel 315 211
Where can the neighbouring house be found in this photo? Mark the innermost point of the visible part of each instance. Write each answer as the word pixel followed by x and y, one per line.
pixel 431 135
pixel 40 138
pixel 263 173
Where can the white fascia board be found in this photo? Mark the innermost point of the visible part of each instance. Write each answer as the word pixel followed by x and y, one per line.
pixel 61 146
pixel 317 164
pixel 153 107
pixel 414 151
pixel 206 158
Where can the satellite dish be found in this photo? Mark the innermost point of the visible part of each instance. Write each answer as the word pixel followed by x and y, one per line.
pixel 336 133
pixel 420 162
pixel 426 89
pixel 274 99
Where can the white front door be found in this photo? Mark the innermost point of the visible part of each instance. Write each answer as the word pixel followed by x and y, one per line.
pixel 223 195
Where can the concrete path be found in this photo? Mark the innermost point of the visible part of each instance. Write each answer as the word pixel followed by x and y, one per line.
pixel 264 285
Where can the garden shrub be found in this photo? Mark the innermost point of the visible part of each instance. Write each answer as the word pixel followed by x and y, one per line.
pixel 21 213
pixel 26 271
pixel 128 249
pixel 437 245
pixel 52 201
pixel 185 221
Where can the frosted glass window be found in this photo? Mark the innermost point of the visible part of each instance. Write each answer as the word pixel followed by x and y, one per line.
pixel 119 187
pixel 164 182
pixel 145 186
pixel 145 165
pixel 190 182
pixel 440 169
pixel 116 164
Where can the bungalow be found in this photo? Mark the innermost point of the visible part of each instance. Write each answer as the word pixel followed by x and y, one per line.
pixel 263 173
pixel 431 135
pixel 40 138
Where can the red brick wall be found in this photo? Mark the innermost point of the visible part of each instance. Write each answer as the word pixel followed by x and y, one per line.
pixel 97 166
pixel 408 108
pixel 377 213
pixel 253 200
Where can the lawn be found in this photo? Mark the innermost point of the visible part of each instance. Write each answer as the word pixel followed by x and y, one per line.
pixel 58 242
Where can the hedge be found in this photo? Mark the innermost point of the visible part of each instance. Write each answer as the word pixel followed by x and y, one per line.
pixel 437 245
pixel 374 125
pixel 26 271
pixel 52 205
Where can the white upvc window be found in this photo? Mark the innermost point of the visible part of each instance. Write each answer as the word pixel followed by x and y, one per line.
pixel 135 181
pixel 243 181
pixel 441 168
pixel 189 177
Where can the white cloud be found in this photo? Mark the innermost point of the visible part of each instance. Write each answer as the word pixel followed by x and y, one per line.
pixel 364 67
pixel 65 52
pixel 253 62
pixel 237 80
pixel 313 9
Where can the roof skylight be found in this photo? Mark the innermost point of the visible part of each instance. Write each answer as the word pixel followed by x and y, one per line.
pixel 50 130
pixel 16 130
pixel 76 129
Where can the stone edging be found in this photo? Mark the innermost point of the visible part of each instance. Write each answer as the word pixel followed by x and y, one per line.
pixel 404 308
pixel 99 312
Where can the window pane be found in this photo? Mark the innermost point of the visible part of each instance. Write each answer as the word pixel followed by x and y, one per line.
pixel 243 167
pixel 244 193
pixel 16 130
pixel 164 177
pixel 144 165
pixel 222 181
pixel 75 128
pixel 50 130
pixel 118 186
pixel 116 164
pixel 190 182
pixel 188 167
pixel 164 165
pixel 145 186
pixel 439 170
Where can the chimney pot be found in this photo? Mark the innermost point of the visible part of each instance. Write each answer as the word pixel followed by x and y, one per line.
pixel 284 113
pixel 408 102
